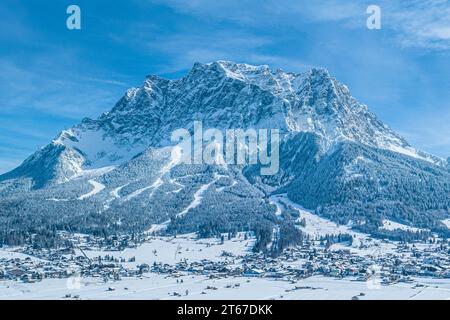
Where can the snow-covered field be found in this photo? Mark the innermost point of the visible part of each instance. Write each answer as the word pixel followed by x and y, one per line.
pixel 153 286
pixel 173 250
pixel 392 225
pixel 446 222
pixel 317 227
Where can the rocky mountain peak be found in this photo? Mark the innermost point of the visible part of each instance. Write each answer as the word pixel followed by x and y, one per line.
pixel 224 94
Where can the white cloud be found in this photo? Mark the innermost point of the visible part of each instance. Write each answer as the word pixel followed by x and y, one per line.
pixel 413 23
pixel 268 12
pixel 424 23
pixel 216 45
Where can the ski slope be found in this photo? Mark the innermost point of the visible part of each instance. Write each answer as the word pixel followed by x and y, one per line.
pixel 198 196
pixel 97 187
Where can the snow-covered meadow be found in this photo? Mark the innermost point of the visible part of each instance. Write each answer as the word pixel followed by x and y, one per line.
pixel 154 286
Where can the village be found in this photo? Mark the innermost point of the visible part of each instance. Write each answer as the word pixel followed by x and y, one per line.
pixel 400 262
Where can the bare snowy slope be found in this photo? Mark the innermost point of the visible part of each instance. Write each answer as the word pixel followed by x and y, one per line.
pixel 118 171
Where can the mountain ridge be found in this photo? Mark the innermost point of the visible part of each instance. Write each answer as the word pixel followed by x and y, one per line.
pixel 295 91
pixel 117 172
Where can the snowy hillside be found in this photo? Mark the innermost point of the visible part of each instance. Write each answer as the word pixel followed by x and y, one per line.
pixel 118 172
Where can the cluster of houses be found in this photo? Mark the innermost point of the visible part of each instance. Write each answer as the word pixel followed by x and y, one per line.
pixel 31 270
pixel 301 262
pixel 311 258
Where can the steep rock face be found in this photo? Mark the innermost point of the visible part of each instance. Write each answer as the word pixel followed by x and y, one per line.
pixel 223 95
pixel 335 156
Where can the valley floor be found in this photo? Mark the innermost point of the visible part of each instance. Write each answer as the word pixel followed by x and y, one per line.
pixel 154 286
pixel 178 268
pixel 186 267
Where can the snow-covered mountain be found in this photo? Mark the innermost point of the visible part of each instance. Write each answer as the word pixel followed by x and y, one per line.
pixel 119 170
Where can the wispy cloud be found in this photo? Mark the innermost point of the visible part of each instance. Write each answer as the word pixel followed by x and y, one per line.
pixel 268 12
pixel 420 23
pixel 54 91
pixel 210 46
pixel 415 23
pixel 11 24
pixel 189 44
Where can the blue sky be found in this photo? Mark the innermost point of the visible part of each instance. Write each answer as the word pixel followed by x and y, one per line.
pixel 51 77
